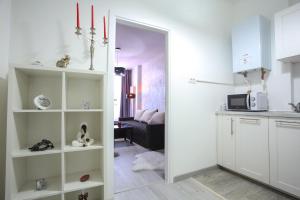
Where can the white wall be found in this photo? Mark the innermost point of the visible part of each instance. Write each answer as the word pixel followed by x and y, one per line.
pixel 4 36
pixel 200 48
pixel 296 83
pixel 279 81
pixel 4 50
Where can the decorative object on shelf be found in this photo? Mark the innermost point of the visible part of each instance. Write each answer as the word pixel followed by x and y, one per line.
pixel 42 146
pixel 42 102
pixel 83 137
pixel 296 108
pixel 93 33
pixel 84 178
pixel 63 62
pixel 83 196
pixel 37 63
pixel 86 105
pixel 41 184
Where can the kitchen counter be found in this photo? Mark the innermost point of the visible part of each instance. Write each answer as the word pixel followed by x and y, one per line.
pixel 284 114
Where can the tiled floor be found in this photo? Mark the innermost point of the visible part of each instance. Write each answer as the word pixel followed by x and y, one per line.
pixel 125 178
pixel 235 187
pixel 211 184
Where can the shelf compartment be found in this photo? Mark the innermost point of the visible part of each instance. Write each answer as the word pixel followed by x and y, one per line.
pixel 84 110
pixel 36 111
pixel 56 197
pixel 30 83
pixel 82 88
pixel 27 170
pixel 94 121
pixel 80 163
pixel 70 148
pixel 30 128
pixel 28 153
pixel 95 193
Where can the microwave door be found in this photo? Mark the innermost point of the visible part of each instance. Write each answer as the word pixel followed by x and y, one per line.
pixel 238 102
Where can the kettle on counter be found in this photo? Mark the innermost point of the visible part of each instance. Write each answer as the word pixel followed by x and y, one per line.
pixel 296 107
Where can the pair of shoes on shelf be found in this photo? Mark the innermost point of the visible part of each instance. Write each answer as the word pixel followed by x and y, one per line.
pixel 42 146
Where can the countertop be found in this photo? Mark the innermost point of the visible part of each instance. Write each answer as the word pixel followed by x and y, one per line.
pixel 284 114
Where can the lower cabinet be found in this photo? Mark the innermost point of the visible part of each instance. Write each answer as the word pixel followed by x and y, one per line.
pixel 228 138
pixel 265 149
pixel 285 155
pixel 252 148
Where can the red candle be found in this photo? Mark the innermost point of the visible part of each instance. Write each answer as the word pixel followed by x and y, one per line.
pixel 104 27
pixel 77 16
pixel 92 25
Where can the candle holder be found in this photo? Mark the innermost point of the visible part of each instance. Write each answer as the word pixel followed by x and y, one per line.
pixel 92 45
pixel 78 31
pixel 105 41
pixel 92 48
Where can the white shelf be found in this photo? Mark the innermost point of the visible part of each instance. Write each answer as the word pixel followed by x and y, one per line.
pixel 70 148
pixel 28 190
pixel 28 153
pixel 51 69
pixel 69 90
pixel 83 110
pixel 36 111
pixel 73 183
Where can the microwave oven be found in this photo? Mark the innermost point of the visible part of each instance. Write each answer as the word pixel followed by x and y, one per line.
pixel 248 102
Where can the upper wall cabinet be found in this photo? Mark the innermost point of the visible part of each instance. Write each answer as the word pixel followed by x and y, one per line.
pixel 251 45
pixel 287 31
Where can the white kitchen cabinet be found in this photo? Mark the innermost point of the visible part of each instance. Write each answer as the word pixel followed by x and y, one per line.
pixel 287 31
pixel 251 47
pixel 226 141
pixel 285 155
pixel 252 148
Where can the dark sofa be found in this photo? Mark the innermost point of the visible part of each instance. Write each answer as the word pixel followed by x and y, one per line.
pixel 149 136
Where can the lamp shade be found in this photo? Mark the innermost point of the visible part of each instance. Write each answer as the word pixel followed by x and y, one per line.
pixel 120 71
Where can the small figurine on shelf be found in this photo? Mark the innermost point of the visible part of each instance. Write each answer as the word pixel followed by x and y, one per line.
pixel 86 105
pixel 41 184
pixel 63 62
pixel 83 196
pixel 42 146
pixel 83 137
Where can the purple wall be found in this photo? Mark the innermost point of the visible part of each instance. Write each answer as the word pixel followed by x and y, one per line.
pixel 144 48
pixel 153 83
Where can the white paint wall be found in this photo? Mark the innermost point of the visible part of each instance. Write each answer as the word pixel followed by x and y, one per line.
pixel 279 81
pixel 4 36
pixel 4 50
pixel 296 83
pixel 200 48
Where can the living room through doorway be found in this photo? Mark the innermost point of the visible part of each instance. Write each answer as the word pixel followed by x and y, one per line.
pixel 139 106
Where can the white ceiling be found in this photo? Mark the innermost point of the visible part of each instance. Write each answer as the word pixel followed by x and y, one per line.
pixel 138 45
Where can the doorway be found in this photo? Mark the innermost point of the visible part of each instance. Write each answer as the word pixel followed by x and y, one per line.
pixel 126 60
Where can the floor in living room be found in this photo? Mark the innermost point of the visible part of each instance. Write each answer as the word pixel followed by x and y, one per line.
pixel 125 178
pixel 211 184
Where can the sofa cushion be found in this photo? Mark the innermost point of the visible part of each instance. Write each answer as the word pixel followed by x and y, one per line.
pixel 157 118
pixel 147 115
pixel 138 114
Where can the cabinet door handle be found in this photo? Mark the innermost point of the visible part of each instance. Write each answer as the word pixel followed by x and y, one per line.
pixel 249 121
pixel 231 126
pixel 286 124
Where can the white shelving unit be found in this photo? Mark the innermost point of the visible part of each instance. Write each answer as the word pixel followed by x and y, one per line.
pixel 62 166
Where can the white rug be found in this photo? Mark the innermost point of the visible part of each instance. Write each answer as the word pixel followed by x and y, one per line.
pixel 151 160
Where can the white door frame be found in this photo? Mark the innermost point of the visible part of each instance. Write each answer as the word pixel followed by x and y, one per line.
pixel 108 171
